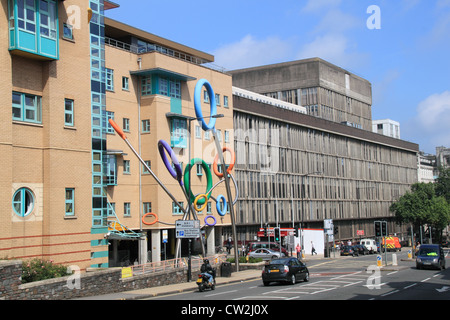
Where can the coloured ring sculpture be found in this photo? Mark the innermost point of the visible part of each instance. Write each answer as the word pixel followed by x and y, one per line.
pixel 198 105
pixel 208 180
pixel 233 160
pixel 176 173
pixel 149 214
pixel 210 224
pixel 197 198
pixel 224 201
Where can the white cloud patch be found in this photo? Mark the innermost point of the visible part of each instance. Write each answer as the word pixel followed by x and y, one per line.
pixel 250 52
pixel 431 126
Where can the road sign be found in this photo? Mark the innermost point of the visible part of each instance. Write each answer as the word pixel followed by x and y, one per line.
pixel 187 228
pixel 359 232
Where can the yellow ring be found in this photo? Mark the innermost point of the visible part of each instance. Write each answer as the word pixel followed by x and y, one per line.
pixel 204 204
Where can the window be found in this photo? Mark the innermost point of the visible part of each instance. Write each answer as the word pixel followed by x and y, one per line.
pixel 144 168
pixel 126 166
pixel 146 86
pixel 199 169
pixel 70 202
pixel 227 136
pixel 126 124
pixel 176 209
pixel 147 207
pixel 109 79
pixel 68 112
pixel 146 125
pixel 225 101
pixel 198 132
pixel 47 13
pixel 109 128
pixel 163 87
pixel 23 202
pixel 205 96
pixel 26 107
pixel 175 89
pixel 217 99
pixel 125 83
pixel 111 173
pixel 178 134
pixel 127 209
pixel 68 31
pixel 112 209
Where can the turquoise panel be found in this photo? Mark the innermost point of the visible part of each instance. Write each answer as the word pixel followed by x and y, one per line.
pixel 27 41
pixel 100 254
pixel 49 47
pixel 175 105
pixel 99 230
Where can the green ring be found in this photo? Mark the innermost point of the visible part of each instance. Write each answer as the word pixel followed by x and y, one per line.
pixel 208 180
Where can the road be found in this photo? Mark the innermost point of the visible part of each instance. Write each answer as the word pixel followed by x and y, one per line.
pixel 347 278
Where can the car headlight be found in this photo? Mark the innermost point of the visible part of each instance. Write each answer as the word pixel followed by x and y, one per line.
pixel 418 260
pixel 435 260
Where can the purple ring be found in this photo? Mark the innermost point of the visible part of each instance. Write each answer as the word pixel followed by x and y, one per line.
pixel 177 173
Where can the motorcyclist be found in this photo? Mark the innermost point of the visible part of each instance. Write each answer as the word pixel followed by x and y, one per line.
pixel 207 270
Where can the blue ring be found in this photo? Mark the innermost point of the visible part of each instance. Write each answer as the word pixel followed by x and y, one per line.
pixel 224 211
pixel 209 224
pixel 198 104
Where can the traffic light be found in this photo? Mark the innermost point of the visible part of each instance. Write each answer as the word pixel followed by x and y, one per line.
pixel 377 228
pixel 277 234
pixel 265 230
pixel 296 232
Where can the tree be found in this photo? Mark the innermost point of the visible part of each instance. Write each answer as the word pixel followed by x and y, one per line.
pixel 443 183
pixel 421 207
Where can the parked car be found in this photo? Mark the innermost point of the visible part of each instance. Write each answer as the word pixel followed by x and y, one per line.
pixel 349 251
pixel 369 244
pixel 361 249
pixel 430 255
pixel 252 246
pixel 265 254
pixel 288 270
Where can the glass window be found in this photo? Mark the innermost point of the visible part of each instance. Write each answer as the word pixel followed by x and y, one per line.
pixel 125 83
pixel 23 202
pixel 146 86
pixel 70 202
pixel 26 107
pixel 109 79
pixel 176 209
pixel 126 124
pixel 67 31
pixel 225 101
pixel 126 166
pixel 109 128
pixel 163 87
pixel 111 174
pixel 68 112
pixel 147 206
pixel 146 125
pixel 127 209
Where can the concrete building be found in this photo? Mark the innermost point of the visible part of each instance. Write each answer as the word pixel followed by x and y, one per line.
pixel 387 127
pixel 71 190
pixel 442 157
pixel 325 90
pixel 426 167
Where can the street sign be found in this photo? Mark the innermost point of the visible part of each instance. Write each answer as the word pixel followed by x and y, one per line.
pixel 187 228
pixel 359 232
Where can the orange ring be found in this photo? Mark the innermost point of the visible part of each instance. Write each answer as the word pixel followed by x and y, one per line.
pixel 233 160
pixel 150 214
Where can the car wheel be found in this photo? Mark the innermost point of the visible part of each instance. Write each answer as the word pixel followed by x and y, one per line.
pixel 306 277
pixel 266 283
pixel 292 281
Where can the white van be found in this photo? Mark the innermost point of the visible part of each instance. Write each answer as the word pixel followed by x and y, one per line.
pixel 369 244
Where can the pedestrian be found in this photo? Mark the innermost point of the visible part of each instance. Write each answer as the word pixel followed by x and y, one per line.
pixel 243 250
pixel 313 250
pixel 299 250
pixel 229 245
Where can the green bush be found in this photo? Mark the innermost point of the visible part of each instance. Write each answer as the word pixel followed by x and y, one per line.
pixel 37 269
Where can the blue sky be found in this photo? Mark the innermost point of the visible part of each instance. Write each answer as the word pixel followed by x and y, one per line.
pixel 407 59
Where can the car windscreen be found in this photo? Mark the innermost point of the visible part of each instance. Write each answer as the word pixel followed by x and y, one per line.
pixel 429 252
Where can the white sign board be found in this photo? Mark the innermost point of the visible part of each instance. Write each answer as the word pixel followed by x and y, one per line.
pixel 187 228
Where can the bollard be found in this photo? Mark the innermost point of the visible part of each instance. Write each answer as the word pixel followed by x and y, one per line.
pixel 394 259
pixel 379 261
pixel 409 254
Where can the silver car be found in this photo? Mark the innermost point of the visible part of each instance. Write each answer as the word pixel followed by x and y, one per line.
pixel 265 254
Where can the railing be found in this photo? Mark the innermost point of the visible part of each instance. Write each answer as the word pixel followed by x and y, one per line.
pixel 180 263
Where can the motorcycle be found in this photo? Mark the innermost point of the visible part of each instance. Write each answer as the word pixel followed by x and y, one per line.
pixel 203 282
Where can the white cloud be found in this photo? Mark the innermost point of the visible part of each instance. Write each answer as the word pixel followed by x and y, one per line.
pixel 250 52
pixel 430 127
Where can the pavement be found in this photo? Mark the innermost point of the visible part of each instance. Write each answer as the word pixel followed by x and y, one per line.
pixel 191 286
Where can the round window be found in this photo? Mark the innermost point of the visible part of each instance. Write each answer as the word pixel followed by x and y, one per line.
pixel 23 202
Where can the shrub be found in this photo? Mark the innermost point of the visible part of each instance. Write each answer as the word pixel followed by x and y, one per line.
pixel 244 260
pixel 38 269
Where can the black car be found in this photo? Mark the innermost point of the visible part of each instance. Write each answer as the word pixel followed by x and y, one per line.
pixel 361 249
pixel 349 251
pixel 288 270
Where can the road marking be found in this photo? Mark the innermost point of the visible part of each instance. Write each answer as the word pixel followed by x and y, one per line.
pixel 411 285
pixel 389 293
pixel 425 279
pixel 392 273
pixel 216 294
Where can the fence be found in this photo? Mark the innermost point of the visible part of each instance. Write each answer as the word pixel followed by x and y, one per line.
pixel 170 265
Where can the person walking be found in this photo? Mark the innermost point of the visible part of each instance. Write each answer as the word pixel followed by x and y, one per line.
pixel 313 250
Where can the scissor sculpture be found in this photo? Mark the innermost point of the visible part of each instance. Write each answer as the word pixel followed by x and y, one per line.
pixel 196 202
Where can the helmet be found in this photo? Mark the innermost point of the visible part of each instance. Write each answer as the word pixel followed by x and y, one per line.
pixel 206 261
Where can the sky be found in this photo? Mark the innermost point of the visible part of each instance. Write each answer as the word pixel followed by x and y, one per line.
pixel 401 46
